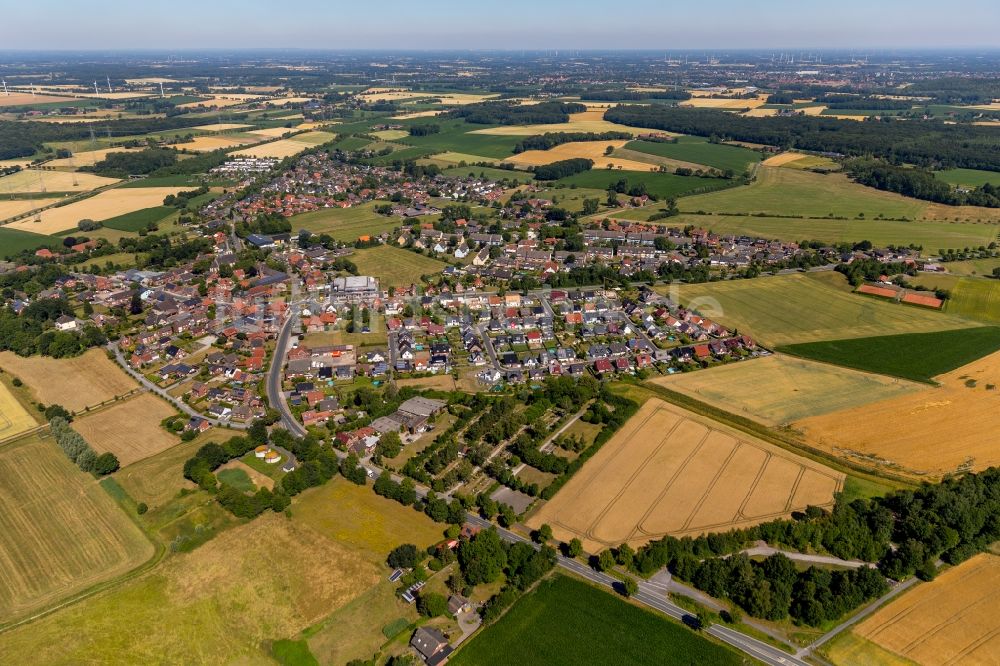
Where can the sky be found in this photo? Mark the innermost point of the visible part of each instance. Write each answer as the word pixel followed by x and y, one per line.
pixel 489 24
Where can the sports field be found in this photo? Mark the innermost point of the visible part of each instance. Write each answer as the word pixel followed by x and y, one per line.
pixel 788 309
pixel 346 224
pixel 38 180
pixel 700 151
pixel 670 471
pixel 592 150
pixel 779 389
pixel 73 383
pixel 217 604
pixel 130 429
pixel 951 620
pixel 107 204
pixel 14 419
pixel 926 433
pixel 394 266
pixel 916 356
pixel 62 532
pixel 565 621
pixel 791 192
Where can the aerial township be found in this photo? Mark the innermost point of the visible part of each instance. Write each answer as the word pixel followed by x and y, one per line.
pixel 308 365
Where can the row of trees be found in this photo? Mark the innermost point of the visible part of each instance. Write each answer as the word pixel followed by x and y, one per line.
pixel 563 168
pixel 919 184
pixel 512 113
pixel 76 449
pixel 123 165
pixel 32 332
pixel 553 139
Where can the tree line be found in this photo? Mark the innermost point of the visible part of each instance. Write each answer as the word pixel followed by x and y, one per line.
pixel 633 95
pixel 926 143
pixel 553 139
pixel 78 450
pixel 511 113
pixel 563 168
pixel 919 184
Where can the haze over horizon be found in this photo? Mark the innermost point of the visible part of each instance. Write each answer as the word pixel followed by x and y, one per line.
pixel 514 24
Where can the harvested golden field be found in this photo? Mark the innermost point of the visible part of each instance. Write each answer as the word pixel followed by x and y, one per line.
pixel 439 382
pixel 286 147
pixel 782 159
pixel 107 204
pixel 266 579
pixel 11 208
pixel 62 532
pixel 593 150
pixel 926 433
pixel 450 99
pixel 14 419
pixel 38 180
pixel 130 429
pixel 74 383
pixel 724 103
pixel 87 158
pixel 208 143
pixel 950 620
pixel 221 127
pixel 22 98
pixel 669 471
pixel 270 132
pixel 779 389
pixel 417 114
pixel 591 120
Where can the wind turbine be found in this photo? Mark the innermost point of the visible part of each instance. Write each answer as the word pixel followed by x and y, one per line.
pixel 5 91
pixel 109 86
pixel 97 92
pixel 161 89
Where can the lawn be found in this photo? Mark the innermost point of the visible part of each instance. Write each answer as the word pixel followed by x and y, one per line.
pixel 338 334
pixel 494 174
pixel 565 621
pixel 139 219
pixel 780 191
pixel 394 266
pixel 968 177
pixel 237 478
pixel 345 224
pixel 789 309
pixel 14 241
pixel 930 234
pixel 700 151
pixel 660 185
pixel 916 356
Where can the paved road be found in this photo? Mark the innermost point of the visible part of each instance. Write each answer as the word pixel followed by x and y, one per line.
pixel 179 404
pixel 274 375
pixel 651 595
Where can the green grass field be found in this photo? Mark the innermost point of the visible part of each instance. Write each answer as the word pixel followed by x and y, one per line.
pixel 789 309
pixel 495 174
pixel 13 241
pixel 345 224
pixel 394 266
pixel 780 191
pixel 455 137
pixel 565 621
pixel 916 356
pixel 139 219
pixel 661 185
pixel 237 478
pixel 968 177
pixel 931 234
pixel 700 151
pixel 975 298
pixel 973 266
pixel 177 180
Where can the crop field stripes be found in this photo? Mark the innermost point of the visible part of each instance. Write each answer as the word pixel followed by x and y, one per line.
pixel 669 471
